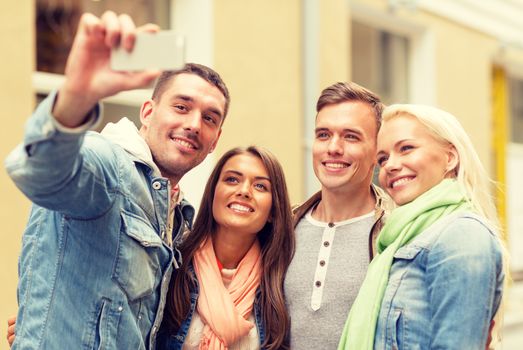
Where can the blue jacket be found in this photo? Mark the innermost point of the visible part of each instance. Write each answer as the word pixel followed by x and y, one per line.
pixel 444 288
pixel 175 341
pixel 94 269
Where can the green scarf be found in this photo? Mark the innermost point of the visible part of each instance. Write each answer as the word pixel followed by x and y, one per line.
pixel 403 225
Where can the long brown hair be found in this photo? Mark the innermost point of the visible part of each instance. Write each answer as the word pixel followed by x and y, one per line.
pixel 277 245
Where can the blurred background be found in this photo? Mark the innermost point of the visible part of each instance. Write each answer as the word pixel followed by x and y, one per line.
pixel 464 56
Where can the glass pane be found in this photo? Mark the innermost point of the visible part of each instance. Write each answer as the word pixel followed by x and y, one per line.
pixel 56 22
pixel 380 62
pixel 516 109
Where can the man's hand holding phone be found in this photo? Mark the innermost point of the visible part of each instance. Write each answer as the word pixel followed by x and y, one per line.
pixel 88 73
pixel 162 50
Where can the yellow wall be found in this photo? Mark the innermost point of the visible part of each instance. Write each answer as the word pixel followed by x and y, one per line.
pixel 334 45
pixel 258 53
pixel 464 62
pixel 16 99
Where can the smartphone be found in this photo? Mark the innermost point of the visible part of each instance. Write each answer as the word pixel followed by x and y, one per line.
pixel 163 50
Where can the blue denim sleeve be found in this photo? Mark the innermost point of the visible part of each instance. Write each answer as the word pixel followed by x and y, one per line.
pixel 463 269
pixel 56 170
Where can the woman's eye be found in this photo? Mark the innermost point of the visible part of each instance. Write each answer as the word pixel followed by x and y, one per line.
pixel 406 148
pixel 382 160
pixel 231 179
pixel 261 187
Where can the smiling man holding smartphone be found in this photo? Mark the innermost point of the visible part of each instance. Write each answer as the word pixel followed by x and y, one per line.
pixel 97 253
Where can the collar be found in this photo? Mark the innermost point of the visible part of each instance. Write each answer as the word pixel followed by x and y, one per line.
pixel 125 134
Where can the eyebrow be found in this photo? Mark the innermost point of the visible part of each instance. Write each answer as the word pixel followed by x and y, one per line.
pixel 344 130
pixel 187 98
pixel 395 145
pixel 241 174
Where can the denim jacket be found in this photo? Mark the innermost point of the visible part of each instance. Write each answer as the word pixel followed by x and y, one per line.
pixel 444 288
pixel 175 341
pixel 94 269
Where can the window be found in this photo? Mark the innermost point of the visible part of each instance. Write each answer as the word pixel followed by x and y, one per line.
pixel 56 24
pixel 516 109
pixel 514 169
pixel 57 20
pixel 380 62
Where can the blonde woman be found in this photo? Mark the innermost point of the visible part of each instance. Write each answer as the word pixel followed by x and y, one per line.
pixel 438 278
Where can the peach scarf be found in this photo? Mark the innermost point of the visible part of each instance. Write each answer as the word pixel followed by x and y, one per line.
pixel 224 311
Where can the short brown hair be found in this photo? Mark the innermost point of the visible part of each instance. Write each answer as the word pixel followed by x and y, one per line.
pixel 350 92
pixel 204 72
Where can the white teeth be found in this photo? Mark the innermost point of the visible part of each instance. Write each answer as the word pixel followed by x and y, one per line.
pixel 184 143
pixel 336 165
pixel 239 207
pixel 401 181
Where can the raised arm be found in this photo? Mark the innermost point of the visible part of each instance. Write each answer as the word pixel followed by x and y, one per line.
pixel 88 75
pixel 54 167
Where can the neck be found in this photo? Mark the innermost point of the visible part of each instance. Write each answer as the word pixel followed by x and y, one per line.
pixel 231 247
pixel 336 206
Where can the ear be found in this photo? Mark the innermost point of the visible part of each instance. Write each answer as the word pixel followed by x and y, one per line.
pixel 451 170
pixel 146 112
pixel 215 141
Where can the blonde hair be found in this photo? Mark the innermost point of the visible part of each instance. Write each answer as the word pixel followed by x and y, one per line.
pixel 470 173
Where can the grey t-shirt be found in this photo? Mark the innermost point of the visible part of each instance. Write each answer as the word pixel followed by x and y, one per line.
pixel 324 278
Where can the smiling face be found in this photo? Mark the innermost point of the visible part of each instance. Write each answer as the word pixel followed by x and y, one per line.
pixel 344 146
pixel 242 198
pixel 183 125
pixel 411 159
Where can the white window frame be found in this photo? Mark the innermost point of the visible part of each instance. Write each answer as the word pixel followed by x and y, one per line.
pixel 421 55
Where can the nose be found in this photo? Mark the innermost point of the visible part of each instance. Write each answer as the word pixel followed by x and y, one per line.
pixel 393 163
pixel 193 122
pixel 244 190
pixel 335 146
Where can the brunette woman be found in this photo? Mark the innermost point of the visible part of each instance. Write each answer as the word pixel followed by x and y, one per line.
pixel 228 293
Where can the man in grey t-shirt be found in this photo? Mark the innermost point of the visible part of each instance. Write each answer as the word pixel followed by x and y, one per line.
pixel 336 227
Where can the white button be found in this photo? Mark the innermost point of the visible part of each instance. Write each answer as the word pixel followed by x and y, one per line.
pixel 157 185
pixel 154 329
pixel 120 308
pixel 139 317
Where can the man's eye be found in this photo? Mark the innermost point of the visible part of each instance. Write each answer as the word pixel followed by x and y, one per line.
pixel 322 135
pixel 210 119
pixel 352 137
pixel 181 108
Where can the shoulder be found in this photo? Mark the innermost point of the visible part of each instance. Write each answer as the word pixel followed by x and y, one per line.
pixel 298 211
pixel 466 233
